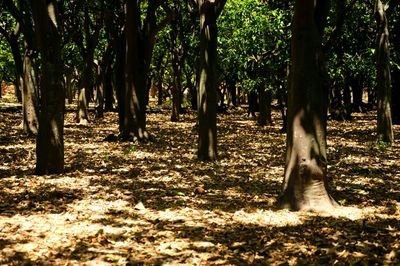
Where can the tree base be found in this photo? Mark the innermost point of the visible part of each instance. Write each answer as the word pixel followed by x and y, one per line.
pixel 307 203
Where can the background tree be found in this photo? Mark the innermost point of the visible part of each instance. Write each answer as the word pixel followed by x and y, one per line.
pixel 26 76
pixel 140 40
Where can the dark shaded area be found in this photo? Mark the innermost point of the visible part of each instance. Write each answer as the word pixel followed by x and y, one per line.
pixel 45 199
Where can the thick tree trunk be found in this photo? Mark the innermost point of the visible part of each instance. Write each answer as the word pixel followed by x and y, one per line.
pixel 135 76
pixel 396 76
pixel 396 97
pixel 50 143
pixel 29 96
pixel 207 89
pixel 305 182
pixel 384 125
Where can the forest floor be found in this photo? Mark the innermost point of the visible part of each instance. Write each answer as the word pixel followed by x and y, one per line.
pixel 123 203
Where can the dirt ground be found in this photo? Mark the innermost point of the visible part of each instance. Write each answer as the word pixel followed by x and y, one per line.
pixel 154 204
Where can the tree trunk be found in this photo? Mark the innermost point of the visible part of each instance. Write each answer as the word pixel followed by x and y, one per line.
pixel 305 181
pixel 100 93
pixel 84 92
pixel 29 96
pixel 207 89
pixel 135 76
pixel 384 119
pixel 264 117
pixel 108 89
pixel 396 76
pixel 177 74
pixel 252 100
pixel 16 53
pixel 50 143
pixel 232 92
pixel 119 76
pixel 396 97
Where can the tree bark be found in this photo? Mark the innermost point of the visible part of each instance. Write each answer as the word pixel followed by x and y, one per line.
pixel 305 182
pixel 264 117
pixel 207 89
pixel 29 96
pixel 50 143
pixel 140 40
pixel 135 109
pixel 396 75
pixel 177 73
pixel 396 97
pixel 384 118
pixel 87 52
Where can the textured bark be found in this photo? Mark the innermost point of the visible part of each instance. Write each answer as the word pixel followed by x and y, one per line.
pixel 384 119
pixel 50 143
pixel 177 73
pixel 305 180
pixel 29 96
pixel 207 89
pixel 140 40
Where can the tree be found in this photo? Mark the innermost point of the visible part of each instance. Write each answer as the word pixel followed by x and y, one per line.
pixel 305 182
pixel 207 91
pixel 26 76
pixel 86 39
pixel 50 142
pixel 384 126
pixel 140 40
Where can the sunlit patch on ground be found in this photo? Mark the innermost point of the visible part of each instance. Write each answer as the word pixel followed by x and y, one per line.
pixel 154 203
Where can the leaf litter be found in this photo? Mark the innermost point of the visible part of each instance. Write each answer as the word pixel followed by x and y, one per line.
pixel 155 204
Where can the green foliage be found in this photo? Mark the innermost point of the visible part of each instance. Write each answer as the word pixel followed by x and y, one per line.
pixel 7 66
pixel 254 43
pixel 353 54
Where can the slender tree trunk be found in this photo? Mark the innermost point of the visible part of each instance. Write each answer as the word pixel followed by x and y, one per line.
pixel 84 92
pixel 305 181
pixel 207 90
pixel 384 125
pixel 50 143
pixel 108 88
pixel 13 40
pixel 100 93
pixel 120 85
pixel 232 92
pixel 265 107
pixel 177 75
pixel 253 104
pixel 29 96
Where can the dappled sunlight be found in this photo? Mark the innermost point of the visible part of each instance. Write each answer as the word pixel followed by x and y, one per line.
pixel 155 203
